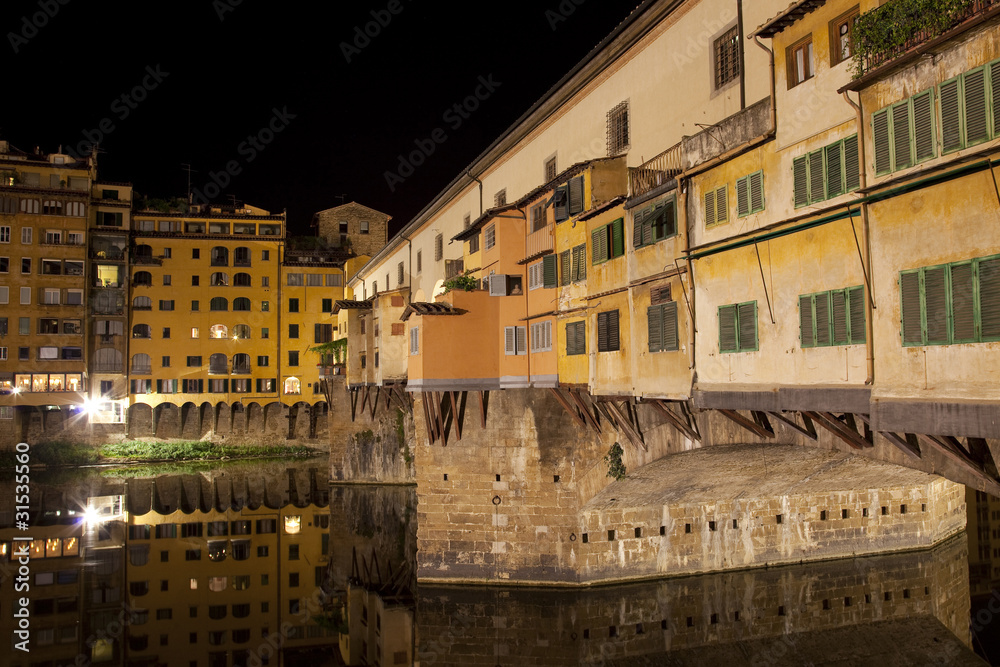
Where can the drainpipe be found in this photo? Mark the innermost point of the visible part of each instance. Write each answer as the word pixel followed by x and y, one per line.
pixel 739 36
pixel 866 233
pixel 469 173
pixel 774 108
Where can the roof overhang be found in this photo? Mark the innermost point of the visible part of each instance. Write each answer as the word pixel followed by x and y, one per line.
pixel 792 13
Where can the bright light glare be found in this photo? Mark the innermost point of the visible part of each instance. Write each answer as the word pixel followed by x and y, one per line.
pixel 90 515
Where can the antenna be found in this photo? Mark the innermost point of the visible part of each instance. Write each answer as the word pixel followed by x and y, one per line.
pixel 341 198
pixel 187 168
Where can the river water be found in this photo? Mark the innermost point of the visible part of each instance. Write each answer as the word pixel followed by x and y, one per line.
pixel 264 563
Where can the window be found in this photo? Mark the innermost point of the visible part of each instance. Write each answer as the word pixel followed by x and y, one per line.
pixel 265 255
pixel 220 256
pixel 543 273
pixel 314 280
pixel 166 280
pixel 4 264
pixel 966 101
pixel 141 364
pixel 607 331
pixel 438 248
pixel 490 236
pixel 195 305
pixel 293 386
pixel 500 198
pixel 541 337
pixel 296 279
pixel 167 305
pixel 194 361
pixel 474 244
pixel 326 305
pixel 26 235
pixel 293 330
pixel 364 226
pixel 241 331
pixel 717 206
pixel 576 338
pixel 607 242
pixel 826 173
pixel 293 305
pixel 750 194
pixel 336 279
pixel 219 280
pixel 800 62
pixel 951 303
pixel 573 264
pixel 399 274
pixel 738 327
pixel 143 278
pixel 661 323
pixel 218 331
pixel 618 129
pixel 241 257
pixel 195 281
pixel 74 297
pixel 414 341
pixel 727 57
pixel 515 340
pixel 4 234
pixel 142 331
pixel 219 303
pixel 896 146
pixel 241 304
pixel 842 36
pixel 538 220
pixel 550 169
pixel 293 358
pixel 835 317
pixel 4 295
pixel 25 265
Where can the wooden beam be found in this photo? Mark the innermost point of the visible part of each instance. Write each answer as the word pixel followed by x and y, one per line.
pixel 748 424
pixel 675 420
pixel 428 422
pixel 602 408
pixel 990 456
pixel 354 406
pixel 633 434
pixel 566 406
pixel 904 443
pixel 440 418
pixel 483 402
pixel 374 401
pixel 454 411
pixel 989 484
pixel 586 412
pixel 364 397
pixel 760 418
pixel 835 426
pixel 808 430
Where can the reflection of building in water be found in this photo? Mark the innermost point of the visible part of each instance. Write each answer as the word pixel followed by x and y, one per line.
pixel 908 608
pixel 984 542
pixel 378 611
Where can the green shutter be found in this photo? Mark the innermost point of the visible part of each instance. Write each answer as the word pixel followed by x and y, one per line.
pixel 852 170
pixel 816 192
pixel 561 204
pixel 800 178
pixel 742 197
pixel 974 89
pixel 613 332
pixel 756 191
pixel 963 303
pixel 901 136
pixel 880 137
pixel 581 337
pixel 637 219
pixel 989 298
pixel 821 306
pixel 722 204
pixel 838 302
pixel 923 126
pixel 564 261
pixel 580 262
pixel 834 171
pixel 670 341
pixel 710 208
pixel 909 289
pixel 951 116
pixel 747 316
pixel 727 329
pixel 576 204
pixel 654 323
pixel 549 271
pixel 618 238
pixel 856 308
pixel 647 228
pixel 935 305
pixel 602 332
pixel 595 246
pixel 995 95
pixel 806 331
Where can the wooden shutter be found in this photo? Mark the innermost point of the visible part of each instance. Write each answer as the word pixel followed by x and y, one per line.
pixel 549 271
pixel 722 204
pixel 602 332
pixel 564 261
pixel 856 308
pixel 852 175
pixel 521 342
pixel 561 203
pixel 923 126
pixel 880 137
pixel 995 96
pixel 727 329
pixel 936 305
pixel 901 136
pixel 670 326
pixel 747 317
pixel 756 191
pixel 838 300
pixel 742 197
pixel 510 341
pixel 710 207
pixel 597 239
pixel 816 191
pixel 963 303
pixel 658 295
pixel 647 228
pixel 637 219
pixel 571 339
pixel 580 262
pixel 974 89
pixel 800 178
pixel 581 337
pixel 909 288
pixel 821 307
pixel 834 173
pixel 989 298
pixel 806 333
pixel 613 333
pixel 951 116
pixel 576 195
pixel 618 238
pixel 654 323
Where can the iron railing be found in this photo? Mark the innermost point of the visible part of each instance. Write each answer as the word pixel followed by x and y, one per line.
pixel 654 173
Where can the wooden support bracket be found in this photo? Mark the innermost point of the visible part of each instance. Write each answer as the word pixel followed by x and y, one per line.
pixel 907 443
pixel 566 406
pixel 676 420
pixel 988 483
pixel 578 399
pixel 839 429
pixel 631 432
pixel 751 425
pixel 808 429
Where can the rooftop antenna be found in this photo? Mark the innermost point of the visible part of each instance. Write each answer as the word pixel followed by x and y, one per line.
pixel 187 168
pixel 341 198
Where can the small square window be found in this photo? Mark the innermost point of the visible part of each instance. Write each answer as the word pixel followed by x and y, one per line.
pixel 800 62
pixel 727 57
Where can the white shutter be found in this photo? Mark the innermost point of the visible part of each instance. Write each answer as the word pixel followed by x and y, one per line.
pixel 498 285
pixel 509 338
pixel 414 341
pixel 521 345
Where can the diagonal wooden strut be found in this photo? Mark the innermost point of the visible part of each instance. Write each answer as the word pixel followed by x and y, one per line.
pixel 907 443
pixel 841 430
pixel 808 429
pixel 567 407
pixel 675 420
pixel 631 432
pixel 578 399
pixel 757 426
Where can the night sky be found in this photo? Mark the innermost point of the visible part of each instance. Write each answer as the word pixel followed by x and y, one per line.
pixel 300 107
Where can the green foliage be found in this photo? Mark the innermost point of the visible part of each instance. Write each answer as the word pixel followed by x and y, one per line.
pixel 613 458
pixel 54 454
pixel 180 451
pixel 885 32
pixel 11 177
pixel 173 205
pixel 463 282
pixel 338 348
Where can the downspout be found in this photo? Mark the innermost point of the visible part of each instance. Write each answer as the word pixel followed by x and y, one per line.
pixel 866 234
pixel 739 36
pixel 774 107
pixel 692 338
pixel 469 174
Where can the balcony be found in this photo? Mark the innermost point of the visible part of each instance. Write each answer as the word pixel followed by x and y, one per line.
pixel 652 174
pixel 894 29
pixel 539 242
pixel 147 260
pixel 241 369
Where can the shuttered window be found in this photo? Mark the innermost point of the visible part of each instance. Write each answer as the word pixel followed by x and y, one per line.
pixel 904 133
pixel 662 327
pixel 951 303
pixel 565 272
pixel 541 337
pixel 835 317
pixel 576 199
pixel 607 331
pixel 490 236
pixel 549 271
pixel 560 202
pixel 969 107
pixel 438 249
pixel 717 206
pixel 608 242
pixel 826 173
pixel 576 338
pixel 738 327
pixel 750 194
pixel 414 340
pixel 535 276
pixel 655 223
pixel 579 270
pixel 515 340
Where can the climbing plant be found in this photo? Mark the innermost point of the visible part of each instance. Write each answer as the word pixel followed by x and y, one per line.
pixel 613 458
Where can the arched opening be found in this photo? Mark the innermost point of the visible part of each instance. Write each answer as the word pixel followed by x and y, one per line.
pixel 141 364
pixel 242 280
pixel 142 331
pixel 293 386
pixel 142 303
pixel 218 364
pixel 241 332
pixel 218 331
pixel 219 279
pixel 142 278
pixel 241 304
pixel 219 303
pixel 241 364
pixel 220 256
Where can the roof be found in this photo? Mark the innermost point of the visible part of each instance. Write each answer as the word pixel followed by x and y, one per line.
pixel 479 222
pixel 792 13
pixel 426 308
pixel 602 208
pixel 344 304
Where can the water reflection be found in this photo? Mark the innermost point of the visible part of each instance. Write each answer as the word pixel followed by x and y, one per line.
pixel 249 566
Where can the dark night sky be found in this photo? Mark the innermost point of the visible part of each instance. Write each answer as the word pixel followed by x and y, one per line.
pixel 224 78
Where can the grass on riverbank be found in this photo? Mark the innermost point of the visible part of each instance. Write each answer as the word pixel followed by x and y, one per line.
pixel 66 454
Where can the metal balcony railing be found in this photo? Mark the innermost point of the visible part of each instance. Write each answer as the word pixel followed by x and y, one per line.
pixel 654 173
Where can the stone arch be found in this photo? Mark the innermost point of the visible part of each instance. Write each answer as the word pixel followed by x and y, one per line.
pixel 299 416
pixel 238 414
pixel 140 420
pixel 167 420
pixel 190 416
pixel 255 418
pixel 222 421
pixel 274 414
